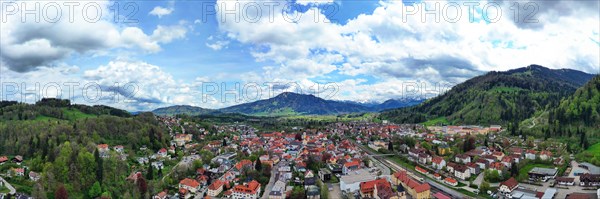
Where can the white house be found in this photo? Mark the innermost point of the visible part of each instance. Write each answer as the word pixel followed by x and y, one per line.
pixel 438 162
pixel 508 186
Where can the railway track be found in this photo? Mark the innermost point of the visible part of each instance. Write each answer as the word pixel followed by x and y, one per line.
pixel 435 186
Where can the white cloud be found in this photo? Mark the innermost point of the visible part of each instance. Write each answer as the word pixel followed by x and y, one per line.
pixel 218 45
pixel 161 11
pixel 28 45
pixel 313 2
pixel 383 46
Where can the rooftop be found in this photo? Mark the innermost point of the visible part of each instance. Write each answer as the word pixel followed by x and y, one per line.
pixel 360 175
pixel 543 171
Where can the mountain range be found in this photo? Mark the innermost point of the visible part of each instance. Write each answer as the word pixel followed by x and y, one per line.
pixel 496 97
pixel 289 103
pixel 491 98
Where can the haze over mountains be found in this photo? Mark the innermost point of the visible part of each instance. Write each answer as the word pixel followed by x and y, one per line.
pixel 289 103
pixel 495 97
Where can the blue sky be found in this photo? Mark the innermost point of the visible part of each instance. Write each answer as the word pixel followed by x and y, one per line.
pixel 357 50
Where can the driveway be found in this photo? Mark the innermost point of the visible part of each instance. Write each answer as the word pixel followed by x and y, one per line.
pixel 336 192
pixel 11 189
pixel 479 179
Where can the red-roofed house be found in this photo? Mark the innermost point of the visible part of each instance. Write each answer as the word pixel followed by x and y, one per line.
pixel 508 186
pixel 350 166
pixel 240 166
pixel 438 162
pixel 545 155
pixel 451 181
pixel 530 154
pixel 103 148
pixel 18 171
pixel 249 190
pixel 368 188
pixel 189 184
pixel 161 195
pixel 507 161
pixel 497 166
pixel 413 187
pixel 162 153
pixel 215 188
pixel 421 170
pixel 3 159
pixel 119 148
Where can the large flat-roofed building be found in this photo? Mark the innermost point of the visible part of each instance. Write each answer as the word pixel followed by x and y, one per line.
pixel 543 174
pixel 351 182
pixel 592 169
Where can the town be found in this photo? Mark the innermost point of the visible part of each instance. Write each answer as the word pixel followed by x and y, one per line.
pixel 344 160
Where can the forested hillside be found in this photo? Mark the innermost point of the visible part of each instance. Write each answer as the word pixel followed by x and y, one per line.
pixel 496 97
pixel 59 140
pixel 576 119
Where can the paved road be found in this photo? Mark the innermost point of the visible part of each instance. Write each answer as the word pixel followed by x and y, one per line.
pixel 336 192
pixel 272 181
pixel 11 189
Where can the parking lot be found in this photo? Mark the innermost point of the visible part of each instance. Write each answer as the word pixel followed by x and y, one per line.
pixel 562 190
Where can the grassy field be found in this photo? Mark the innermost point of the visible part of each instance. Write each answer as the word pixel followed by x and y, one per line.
pixel 74 114
pixel 68 113
pixel 591 155
pixel 436 121
pixel 3 189
pixel 524 170
pixel 594 149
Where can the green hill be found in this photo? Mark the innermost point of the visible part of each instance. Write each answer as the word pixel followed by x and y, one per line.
pixel 496 97
pixel 58 139
pixel 576 120
pixel 182 109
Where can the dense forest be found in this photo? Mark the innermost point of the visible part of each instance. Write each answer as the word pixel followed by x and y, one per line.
pixel 576 119
pixel 496 97
pixel 59 140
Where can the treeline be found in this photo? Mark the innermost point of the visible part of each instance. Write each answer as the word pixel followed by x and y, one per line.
pixel 28 137
pixel 63 149
pixel 54 108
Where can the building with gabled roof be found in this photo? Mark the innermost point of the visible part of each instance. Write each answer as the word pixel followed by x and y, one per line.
pixel 215 188
pixel 190 185
pixel 250 190
pixel 508 186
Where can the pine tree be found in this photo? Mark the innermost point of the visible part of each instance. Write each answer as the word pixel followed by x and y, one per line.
pixel 258 166
pixel 61 193
pixel 514 170
pixel 150 174
pixel 99 166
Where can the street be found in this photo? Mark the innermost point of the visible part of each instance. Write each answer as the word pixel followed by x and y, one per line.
pixel 8 186
pixel 272 181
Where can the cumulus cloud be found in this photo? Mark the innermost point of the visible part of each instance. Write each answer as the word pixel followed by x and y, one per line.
pixel 27 45
pixel 161 11
pixel 313 2
pixel 390 46
pixel 216 43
